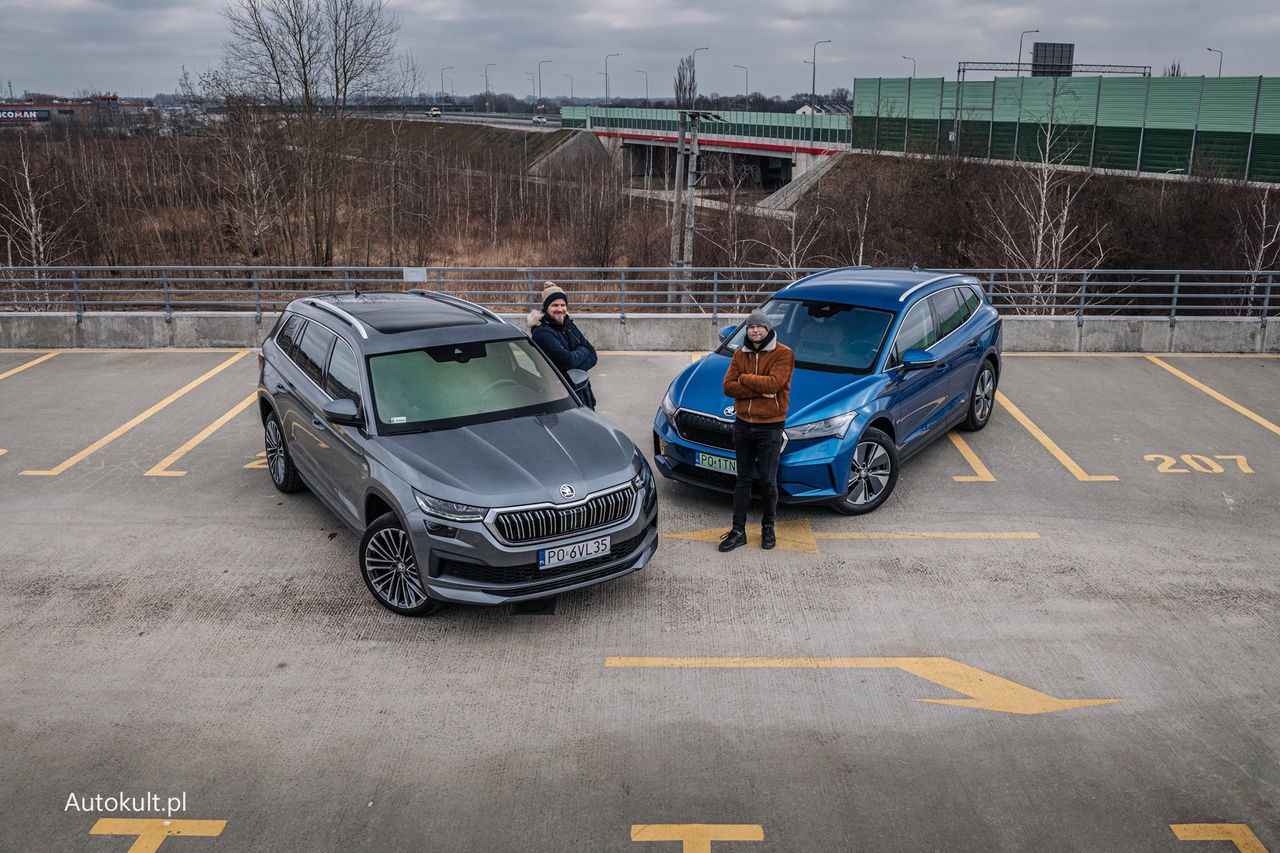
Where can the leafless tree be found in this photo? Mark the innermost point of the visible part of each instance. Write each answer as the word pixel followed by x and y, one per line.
pixel 1258 230
pixel 37 230
pixel 686 84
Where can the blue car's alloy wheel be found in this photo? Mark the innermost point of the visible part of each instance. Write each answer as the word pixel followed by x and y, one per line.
pixel 982 400
pixel 873 472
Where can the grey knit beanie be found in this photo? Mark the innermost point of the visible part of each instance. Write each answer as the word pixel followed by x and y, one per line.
pixel 759 318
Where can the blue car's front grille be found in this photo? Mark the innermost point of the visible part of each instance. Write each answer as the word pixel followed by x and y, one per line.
pixel 705 430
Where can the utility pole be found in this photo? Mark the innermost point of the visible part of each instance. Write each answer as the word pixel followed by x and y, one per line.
pixel 488 93
pixel 690 201
pixel 677 207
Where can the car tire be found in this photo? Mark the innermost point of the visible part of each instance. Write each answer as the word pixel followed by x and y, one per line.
pixel 873 472
pixel 982 399
pixel 390 568
pixel 284 475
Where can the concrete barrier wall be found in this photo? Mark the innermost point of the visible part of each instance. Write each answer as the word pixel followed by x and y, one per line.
pixel 640 332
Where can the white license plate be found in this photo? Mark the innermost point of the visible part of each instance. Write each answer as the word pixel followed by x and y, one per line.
pixel 717 463
pixel 575 553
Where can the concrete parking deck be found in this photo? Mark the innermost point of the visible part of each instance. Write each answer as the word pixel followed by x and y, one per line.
pixel 1060 634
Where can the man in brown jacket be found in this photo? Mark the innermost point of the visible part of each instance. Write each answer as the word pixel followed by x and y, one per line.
pixel 759 381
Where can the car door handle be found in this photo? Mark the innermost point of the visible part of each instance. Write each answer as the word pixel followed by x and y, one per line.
pixel 973 346
pixel 317 423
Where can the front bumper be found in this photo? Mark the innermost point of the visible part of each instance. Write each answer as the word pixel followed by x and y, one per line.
pixel 471 567
pixel 810 471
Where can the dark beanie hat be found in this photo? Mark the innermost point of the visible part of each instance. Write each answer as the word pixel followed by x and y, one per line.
pixel 551 292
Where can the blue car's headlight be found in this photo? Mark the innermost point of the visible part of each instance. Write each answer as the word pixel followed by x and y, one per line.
pixel 669 405
pixel 449 509
pixel 836 426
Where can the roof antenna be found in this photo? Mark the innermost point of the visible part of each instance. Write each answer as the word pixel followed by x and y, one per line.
pixel 915 268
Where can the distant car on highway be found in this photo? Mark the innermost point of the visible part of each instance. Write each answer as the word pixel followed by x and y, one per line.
pixel 539 119
pixel 435 112
pixel 887 361
pixel 440 433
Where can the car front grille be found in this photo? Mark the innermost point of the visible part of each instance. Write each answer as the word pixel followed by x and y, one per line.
pixel 530 571
pixel 715 479
pixel 536 525
pixel 705 430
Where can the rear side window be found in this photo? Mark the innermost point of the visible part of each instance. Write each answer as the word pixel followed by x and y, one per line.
pixel 342 381
pixel 287 338
pixel 313 350
pixel 950 310
pixel 917 331
pixel 972 299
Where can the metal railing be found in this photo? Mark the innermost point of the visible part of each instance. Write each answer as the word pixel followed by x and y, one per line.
pixel 706 291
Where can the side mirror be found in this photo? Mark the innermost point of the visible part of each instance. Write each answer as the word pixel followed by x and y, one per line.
pixel 343 412
pixel 918 359
pixel 578 379
pixel 727 332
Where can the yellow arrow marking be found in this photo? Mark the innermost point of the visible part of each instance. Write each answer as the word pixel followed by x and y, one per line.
pixel 152 832
pixel 133 422
pixel 986 691
pixel 260 462
pixel 980 472
pixel 1052 446
pixel 799 535
pixel 1221 398
pixel 697 837
pixel 1238 834
pixel 32 363
pixel 162 469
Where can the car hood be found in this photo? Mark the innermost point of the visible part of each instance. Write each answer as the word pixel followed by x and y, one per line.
pixel 815 394
pixel 514 462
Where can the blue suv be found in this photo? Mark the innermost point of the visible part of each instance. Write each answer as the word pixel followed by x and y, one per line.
pixel 887 360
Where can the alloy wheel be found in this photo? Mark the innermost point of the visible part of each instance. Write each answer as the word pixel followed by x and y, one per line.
pixel 984 394
pixel 275 451
pixel 392 569
pixel 869 473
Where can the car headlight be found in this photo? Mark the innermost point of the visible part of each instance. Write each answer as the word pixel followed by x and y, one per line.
pixel 449 509
pixel 836 426
pixel 669 405
pixel 644 478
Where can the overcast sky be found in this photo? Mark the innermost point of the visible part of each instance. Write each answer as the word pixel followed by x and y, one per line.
pixel 137 47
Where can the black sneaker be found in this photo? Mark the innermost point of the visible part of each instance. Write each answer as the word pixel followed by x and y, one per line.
pixel 735 538
pixel 767 538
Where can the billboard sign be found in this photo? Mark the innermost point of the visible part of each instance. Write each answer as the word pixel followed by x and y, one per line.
pixel 10 115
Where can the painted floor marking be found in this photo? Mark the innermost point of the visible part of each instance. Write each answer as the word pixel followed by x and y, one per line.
pixel 799 535
pixel 151 832
pixel 32 363
pixel 1238 834
pixel 1052 446
pixel 259 462
pixel 162 469
pixel 981 474
pixel 1221 398
pixel 113 350
pixel 123 428
pixel 697 837
pixel 986 691
pixel 1141 355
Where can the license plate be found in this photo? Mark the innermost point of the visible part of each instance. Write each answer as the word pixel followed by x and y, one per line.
pixel 575 553
pixel 717 463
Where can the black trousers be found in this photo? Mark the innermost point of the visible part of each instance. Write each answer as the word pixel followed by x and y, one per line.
pixel 757 448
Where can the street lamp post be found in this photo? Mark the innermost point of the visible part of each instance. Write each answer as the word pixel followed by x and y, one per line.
pixel 1215 50
pixel 913 64
pixel 570 76
pixel 442 70
pixel 746 84
pixel 533 85
pixel 541 62
pixel 606 77
pixel 646 85
pixel 694 57
pixel 1024 33
pixel 813 83
pixel 453 96
pixel 488 93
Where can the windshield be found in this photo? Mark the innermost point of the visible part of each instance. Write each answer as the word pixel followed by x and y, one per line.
pixel 462 384
pixel 825 335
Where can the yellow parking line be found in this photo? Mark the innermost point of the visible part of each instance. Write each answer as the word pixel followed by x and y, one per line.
pixel 982 535
pixel 980 472
pixel 1139 355
pixel 123 428
pixel 162 469
pixel 102 350
pixel 1238 834
pixel 32 363
pixel 1221 398
pixel 1052 446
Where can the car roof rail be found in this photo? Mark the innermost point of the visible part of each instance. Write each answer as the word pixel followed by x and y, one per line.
pixel 340 314
pixel 927 282
pixel 460 303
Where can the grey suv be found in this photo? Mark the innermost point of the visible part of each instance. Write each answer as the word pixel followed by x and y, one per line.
pixel 442 434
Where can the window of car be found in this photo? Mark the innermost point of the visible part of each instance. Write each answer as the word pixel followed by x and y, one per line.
pixel 313 350
pixel 455 385
pixel 830 336
pixel 916 332
pixel 342 379
pixel 972 297
pixel 287 337
pixel 950 310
